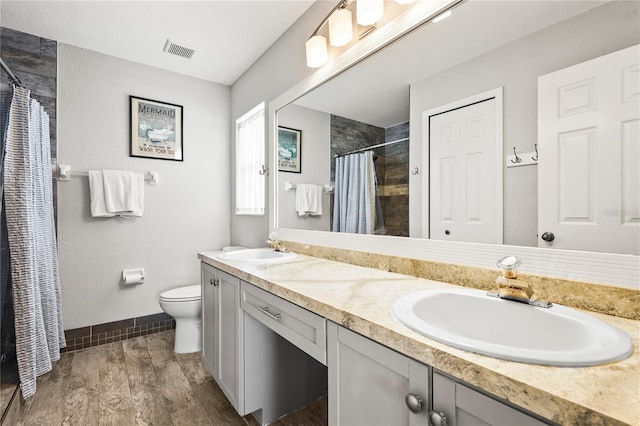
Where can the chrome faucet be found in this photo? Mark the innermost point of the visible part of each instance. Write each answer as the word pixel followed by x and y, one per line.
pixel 275 243
pixel 510 288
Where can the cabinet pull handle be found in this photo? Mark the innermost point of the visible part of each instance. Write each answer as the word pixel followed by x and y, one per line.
pixel 214 282
pixel 266 311
pixel 414 402
pixel 437 418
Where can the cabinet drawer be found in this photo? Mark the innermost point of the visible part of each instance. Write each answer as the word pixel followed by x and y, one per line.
pixel 304 329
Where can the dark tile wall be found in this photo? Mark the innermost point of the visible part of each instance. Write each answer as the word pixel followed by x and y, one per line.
pixel 395 193
pixel 391 162
pixel 34 61
pixel 99 334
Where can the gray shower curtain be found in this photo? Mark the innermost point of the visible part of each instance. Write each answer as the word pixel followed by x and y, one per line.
pixel 354 202
pixel 28 197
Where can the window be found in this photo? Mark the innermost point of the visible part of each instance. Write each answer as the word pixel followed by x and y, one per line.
pixel 250 144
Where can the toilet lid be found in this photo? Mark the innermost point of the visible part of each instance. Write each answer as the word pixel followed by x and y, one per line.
pixel 185 294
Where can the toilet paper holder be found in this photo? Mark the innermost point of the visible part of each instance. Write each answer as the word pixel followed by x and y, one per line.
pixel 133 276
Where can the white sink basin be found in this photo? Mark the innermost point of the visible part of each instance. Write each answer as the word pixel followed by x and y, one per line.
pixel 472 321
pixel 262 255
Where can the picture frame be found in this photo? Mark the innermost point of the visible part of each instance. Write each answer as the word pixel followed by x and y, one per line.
pixel 155 129
pixel 289 150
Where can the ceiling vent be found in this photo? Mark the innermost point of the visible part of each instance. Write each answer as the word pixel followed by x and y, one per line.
pixel 176 49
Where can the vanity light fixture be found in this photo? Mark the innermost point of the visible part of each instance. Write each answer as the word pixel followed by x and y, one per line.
pixel 340 27
pixel 368 12
pixel 317 54
pixel 316 46
pixel 442 16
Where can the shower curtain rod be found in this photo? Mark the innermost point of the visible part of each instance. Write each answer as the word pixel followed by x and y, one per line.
pixel 369 148
pixel 12 77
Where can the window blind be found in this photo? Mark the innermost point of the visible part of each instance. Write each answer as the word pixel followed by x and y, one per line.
pixel 250 158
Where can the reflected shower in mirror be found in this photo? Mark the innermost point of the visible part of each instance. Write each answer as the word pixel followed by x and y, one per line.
pixel 403 101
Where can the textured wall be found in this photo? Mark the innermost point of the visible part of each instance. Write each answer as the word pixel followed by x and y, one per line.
pixel 188 212
pixel 315 166
pixel 280 67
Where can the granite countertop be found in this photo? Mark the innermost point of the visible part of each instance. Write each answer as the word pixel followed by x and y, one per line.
pixel 360 299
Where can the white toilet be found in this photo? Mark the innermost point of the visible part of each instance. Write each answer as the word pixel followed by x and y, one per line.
pixel 184 305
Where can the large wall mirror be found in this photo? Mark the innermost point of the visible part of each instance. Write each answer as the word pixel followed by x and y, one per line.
pixel 485 127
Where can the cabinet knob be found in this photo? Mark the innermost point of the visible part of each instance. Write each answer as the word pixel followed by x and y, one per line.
pixel 214 282
pixel 414 402
pixel 437 418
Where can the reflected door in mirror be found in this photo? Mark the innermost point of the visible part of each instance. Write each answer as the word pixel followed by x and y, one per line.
pixel 464 170
pixel 589 126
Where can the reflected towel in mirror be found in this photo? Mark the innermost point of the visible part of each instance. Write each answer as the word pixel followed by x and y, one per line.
pixel 308 200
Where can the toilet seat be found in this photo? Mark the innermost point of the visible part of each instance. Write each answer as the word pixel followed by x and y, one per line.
pixel 181 294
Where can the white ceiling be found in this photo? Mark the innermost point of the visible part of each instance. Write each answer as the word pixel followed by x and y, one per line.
pixel 228 36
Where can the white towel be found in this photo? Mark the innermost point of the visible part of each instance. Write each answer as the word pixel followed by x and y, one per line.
pixel 96 191
pixel 308 200
pixel 138 199
pixel 115 192
pixel 119 191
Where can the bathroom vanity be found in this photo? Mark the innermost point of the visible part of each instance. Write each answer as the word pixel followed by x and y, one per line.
pixel 332 322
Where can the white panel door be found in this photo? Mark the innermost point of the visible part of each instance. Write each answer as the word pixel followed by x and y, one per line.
pixel 465 182
pixel 589 155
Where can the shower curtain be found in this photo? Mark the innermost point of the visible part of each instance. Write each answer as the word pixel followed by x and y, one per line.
pixel 354 203
pixel 28 205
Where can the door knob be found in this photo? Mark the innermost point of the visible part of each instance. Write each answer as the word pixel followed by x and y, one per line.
pixel 437 418
pixel 548 236
pixel 414 402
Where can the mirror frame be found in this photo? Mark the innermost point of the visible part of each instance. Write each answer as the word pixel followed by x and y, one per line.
pixel 602 268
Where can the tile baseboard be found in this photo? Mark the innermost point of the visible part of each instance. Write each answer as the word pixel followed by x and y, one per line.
pixel 115 331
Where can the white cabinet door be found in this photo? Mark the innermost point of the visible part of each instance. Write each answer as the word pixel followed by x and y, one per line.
pixel 368 382
pixel 210 322
pixel 589 151
pixel 230 350
pixel 464 406
pixel 222 346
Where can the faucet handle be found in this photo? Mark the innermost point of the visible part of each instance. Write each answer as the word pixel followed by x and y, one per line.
pixel 513 289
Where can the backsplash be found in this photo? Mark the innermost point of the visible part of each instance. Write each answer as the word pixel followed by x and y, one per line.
pixel 610 300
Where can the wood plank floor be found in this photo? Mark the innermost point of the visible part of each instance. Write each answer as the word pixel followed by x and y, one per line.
pixel 138 381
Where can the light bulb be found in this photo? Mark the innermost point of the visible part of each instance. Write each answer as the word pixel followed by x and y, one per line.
pixel 316 48
pixel 368 12
pixel 340 28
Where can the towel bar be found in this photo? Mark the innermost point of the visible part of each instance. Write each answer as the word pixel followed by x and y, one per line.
pixel 65 173
pixel 288 187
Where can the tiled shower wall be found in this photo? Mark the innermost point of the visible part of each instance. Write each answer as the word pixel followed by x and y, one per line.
pixel 391 163
pixel 394 193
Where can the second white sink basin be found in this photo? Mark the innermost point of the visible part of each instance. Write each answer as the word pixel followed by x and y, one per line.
pixel 262 255
pixel 472 321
